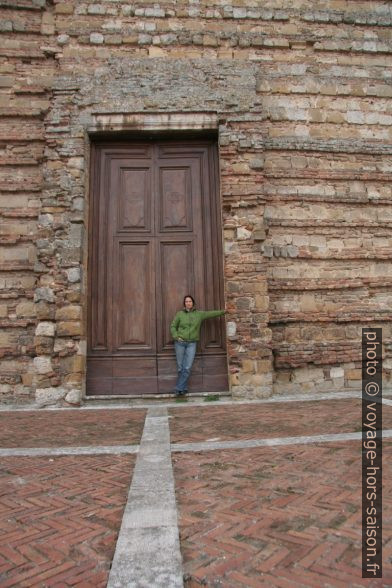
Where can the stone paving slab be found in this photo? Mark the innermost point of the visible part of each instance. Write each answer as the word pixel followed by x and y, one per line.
pixel 59 519
pixel 258 421
pixel 277 517
pixel 148 548
pixel 71 428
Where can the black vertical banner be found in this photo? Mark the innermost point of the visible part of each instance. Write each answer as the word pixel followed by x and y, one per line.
pixel 371 453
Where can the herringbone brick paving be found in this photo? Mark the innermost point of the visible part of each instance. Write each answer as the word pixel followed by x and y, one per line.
pixel 256 517
pixel 277 517
pixel 59 519
pixel 71 428
pixel 259 421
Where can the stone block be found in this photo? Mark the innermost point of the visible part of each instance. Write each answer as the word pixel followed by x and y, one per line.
pixel 48 29
pixel 231 328
pixel 261 303
pixel 73 396
pixel 96 9
pixel 267 250
pixel 43 365
pixel 6 81
pixel 16 254
pixel 240 168
pixel 49 396
pixel 73 275
pixel 63 39
pixel 27 379
pixel 64 8
pixel 44 310
pixel 336 372
pixel 69 328
pixel 69 313
pixel 307 303
pixel 43 345
pixel 292 251
pixel 155 11
pixel 44 293
pixel 74 379
pixel 247 366
pixel 154 51
pixel 234 380
pixel 259 234
pixel 243 234
pixel 210 41
pixel 306 374
pixel 45 329
pixel 264 366
pixel 97 38
pixel 78 363
pixel 6 339
pixel 131 39
pixel 26 309
pixel 353 374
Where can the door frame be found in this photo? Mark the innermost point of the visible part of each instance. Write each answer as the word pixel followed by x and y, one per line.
pixel 120 139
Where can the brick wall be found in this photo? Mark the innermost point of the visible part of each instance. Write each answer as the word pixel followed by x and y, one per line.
pixel 301 92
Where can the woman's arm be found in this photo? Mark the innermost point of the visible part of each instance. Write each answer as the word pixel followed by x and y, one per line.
pixel 212 313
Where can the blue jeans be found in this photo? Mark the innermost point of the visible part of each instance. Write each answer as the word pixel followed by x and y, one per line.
pixel 185 354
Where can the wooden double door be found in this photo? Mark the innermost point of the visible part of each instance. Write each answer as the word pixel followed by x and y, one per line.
pixel 155 235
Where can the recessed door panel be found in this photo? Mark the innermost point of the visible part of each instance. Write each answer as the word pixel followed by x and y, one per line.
pixel 133 303
pixel 177 276
pixel 134 199
pixel 175 196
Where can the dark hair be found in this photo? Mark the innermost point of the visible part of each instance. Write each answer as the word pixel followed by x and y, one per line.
pixel 191 297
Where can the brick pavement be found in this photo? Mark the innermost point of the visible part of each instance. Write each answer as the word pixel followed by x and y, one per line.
pixel 271 516
pixel 276 517
pixel 59 519
pixel 56 428
pixel 257 421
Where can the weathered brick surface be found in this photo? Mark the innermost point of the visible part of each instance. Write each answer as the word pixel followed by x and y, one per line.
pixel 71 428
pixel 59 519
pixel 276 517
pixel 289 419
pixel 302 97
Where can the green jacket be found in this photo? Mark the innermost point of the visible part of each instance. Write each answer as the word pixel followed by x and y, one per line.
pixel 186 325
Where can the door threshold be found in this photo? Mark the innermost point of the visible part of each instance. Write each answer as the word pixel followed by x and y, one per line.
pixel 153 398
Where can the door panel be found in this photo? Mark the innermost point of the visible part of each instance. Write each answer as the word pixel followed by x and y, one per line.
pixel 132 296
pixel 134 199
pixel 177 275
pixel 175 198
pixel 154 237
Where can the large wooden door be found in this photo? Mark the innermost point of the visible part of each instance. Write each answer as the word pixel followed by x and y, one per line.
pixel 155 236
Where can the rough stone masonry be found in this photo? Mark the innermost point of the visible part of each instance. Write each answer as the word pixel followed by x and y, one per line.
pixel 301 94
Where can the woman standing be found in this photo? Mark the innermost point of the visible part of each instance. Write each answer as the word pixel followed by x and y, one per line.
pixel 185 330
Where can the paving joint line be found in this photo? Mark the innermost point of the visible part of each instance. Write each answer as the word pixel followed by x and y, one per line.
pixel 184 447
pixel 53 451
pixel 148 546
pixel 269 442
